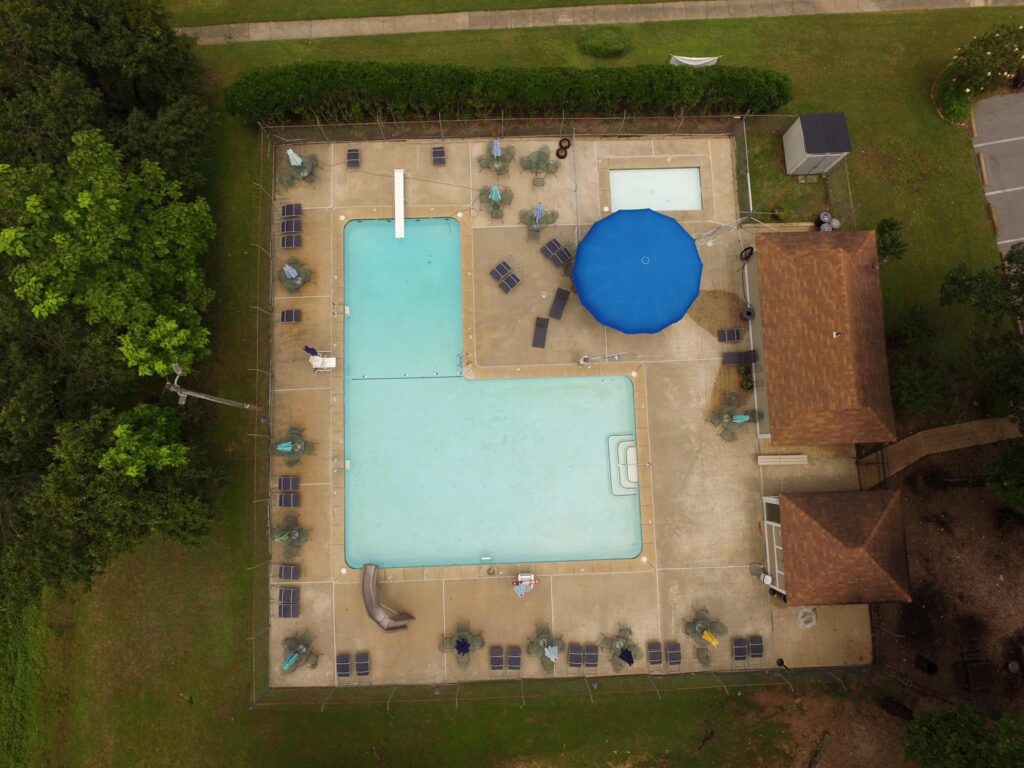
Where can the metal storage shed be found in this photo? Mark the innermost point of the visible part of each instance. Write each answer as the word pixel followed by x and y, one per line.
pixel 815 143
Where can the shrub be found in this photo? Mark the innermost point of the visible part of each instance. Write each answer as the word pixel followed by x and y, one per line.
pixel 890 241
pixel 986 65
pixel 606 42
pixel 339 91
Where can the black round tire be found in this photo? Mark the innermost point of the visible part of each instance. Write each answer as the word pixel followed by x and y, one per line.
pixel 561 154
pixel 564 143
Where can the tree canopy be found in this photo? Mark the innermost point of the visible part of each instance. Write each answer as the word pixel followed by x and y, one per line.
pixel 116 65
pixel 121 245
pixel 102 126
pixel 997 294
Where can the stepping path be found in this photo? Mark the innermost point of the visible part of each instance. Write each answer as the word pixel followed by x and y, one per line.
pixel 462 21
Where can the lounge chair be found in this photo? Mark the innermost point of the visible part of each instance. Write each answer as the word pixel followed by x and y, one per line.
pixel 739 358
pixel 497 658
pixel 590 655
pixel 558 304
pixel 352 158
pixel 288 611
pixel 655 661
pixel 291 241
pixel 740 651
pixel 557 253
pixel 343 665
pixel 727 433
pixel 288 483
pixel 674 655
pixel 438 155
pixel 540 332
pixel 575 656
pixel 289 210
pixel 704 656
pixel 505 276
pixel 389 621
pixel 363 664
pixel 289 572
pixel 288 595
pixel 729 335
pixel 716 418
pixel 289 500
pixel 514 658
pixel 291 315
pixel 291 225
pixel 756 643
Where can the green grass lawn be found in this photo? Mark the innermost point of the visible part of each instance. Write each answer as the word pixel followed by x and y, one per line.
pixel 167 623
pixel 201 12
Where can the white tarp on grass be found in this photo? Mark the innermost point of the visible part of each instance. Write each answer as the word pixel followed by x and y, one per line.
pixel 693 61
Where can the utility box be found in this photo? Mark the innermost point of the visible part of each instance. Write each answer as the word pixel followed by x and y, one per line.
pixel 816 143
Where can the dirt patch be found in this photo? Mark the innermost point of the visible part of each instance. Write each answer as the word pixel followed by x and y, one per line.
pixel 859 732
pixel 966 554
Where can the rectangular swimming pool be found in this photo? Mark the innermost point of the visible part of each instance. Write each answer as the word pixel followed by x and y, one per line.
pixel 660 189
pixel 445 471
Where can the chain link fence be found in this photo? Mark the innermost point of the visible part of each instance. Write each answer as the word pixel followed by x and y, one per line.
pixel 762 187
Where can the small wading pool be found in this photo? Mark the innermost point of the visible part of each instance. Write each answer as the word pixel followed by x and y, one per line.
pixel 445 471
pixel 660 189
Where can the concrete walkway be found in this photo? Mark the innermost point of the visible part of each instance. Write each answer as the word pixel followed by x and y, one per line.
pixel 549 17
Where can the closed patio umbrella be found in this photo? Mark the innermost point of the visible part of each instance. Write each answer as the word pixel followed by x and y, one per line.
pixel 495 194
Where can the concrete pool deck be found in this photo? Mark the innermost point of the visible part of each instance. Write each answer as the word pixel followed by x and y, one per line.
pixel 700 496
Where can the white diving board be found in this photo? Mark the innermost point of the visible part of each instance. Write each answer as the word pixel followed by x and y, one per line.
pixel 399 204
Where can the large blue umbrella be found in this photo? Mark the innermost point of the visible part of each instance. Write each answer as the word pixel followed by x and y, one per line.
pixel 637 271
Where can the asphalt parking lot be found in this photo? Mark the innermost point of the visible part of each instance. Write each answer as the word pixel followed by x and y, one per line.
pixel 999 146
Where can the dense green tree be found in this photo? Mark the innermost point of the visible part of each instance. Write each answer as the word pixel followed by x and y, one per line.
pixel 961 738
pixel 996 293
pixel 91 504
pixel 66 65
pixel 121 246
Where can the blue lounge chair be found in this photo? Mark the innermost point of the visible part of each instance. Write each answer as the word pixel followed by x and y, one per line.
pixel 288 483
pixel 514 658
pixel 558 304
pixel 740 651
pixel 363 664
pixel 352 160
pixel 438 154
pixel 291 225
pixel 497 658
pixel 291 241
pixel 556 253
pixel 756 648
pixel 343 665
pixel 575 656
pixel 291 315
pixel 590 655
pixel 674 655
pixel 291 209
pixel 289 572
pixel 540 332
pixel 655 660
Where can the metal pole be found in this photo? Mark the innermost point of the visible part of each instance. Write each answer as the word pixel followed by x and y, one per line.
pixel 184 394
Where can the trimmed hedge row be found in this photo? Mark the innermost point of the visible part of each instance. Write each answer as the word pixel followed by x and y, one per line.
pixel 340 91
pixel 988 64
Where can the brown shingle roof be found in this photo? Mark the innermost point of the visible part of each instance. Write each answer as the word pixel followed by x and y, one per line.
pixel 844 547
pixel 824 389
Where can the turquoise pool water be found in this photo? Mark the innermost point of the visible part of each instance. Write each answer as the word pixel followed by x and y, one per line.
pixel 445 471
